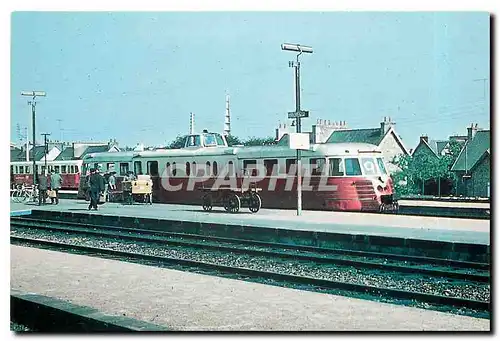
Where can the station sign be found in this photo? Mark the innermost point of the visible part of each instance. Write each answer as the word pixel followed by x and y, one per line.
pixel 298 114
pixel 299 141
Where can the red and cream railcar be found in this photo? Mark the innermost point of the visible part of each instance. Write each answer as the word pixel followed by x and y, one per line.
pixel 22 173
pixel 336 176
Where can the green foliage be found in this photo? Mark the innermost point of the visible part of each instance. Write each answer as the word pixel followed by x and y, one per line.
pixel 416 170
pixel 178 142
pixel 233 140
pixel 259 141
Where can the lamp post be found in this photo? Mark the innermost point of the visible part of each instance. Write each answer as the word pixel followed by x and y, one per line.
pixel 297 114
pixel 33 94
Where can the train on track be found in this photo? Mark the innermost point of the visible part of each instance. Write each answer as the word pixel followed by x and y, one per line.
pixel 21 172
pixel 336 176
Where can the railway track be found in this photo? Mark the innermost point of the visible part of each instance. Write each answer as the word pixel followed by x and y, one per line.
pixel 465 272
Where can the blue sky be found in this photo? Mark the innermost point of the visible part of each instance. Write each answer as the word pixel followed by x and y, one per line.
pixel 136 76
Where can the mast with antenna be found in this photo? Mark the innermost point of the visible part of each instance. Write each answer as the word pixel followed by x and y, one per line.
pixel 227 119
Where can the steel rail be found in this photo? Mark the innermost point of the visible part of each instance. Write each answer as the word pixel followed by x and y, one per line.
pixel 274 254
pixel 320 283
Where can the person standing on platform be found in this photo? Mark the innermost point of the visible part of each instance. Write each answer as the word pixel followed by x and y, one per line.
pixel 43 185
pixel 55 184
pixel 112 181
pixel 96 188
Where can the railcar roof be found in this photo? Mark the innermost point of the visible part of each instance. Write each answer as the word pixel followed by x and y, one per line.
pixel 240 152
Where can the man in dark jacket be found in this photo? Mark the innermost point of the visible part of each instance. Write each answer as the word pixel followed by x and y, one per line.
pixel 96 183
pixel 43 185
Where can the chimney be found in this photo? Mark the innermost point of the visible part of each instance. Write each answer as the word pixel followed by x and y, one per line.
pixel 424 138
pixel 471 131
pixel 385 126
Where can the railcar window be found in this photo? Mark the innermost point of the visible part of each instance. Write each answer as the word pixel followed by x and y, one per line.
pixel 209 140
pixel 317 166
pixel 152 168
pixel 43 169
pixel 207 168
pixel 21 169
pixel 194 169
pixel 215 170
pixel 174 169
pixel 352 167
pixel 288 164
pixel 56 168
pixel 63 169
pixel 249 167
pixel 138 167
pixel 111 166
pixel 167 168
pixel 336 167
pixel 76 169
pixel 368 165
pixel 27 170
pixel 123 168
pixel 188 169
pixel 220 141
pixel 381 165
pixel 271 167
pixel 230 168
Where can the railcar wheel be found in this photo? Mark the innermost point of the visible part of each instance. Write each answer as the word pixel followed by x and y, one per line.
pixel 233 203
pixel 207 202
pixel 254 203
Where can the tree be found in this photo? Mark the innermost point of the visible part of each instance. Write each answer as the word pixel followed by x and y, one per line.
pixel 232 140
pixel 178 142
pixel 259 141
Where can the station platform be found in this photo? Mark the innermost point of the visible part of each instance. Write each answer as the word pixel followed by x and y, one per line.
pixel 183 301
pixel 471 231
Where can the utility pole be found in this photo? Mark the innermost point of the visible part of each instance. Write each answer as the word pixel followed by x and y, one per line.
pixel 33 94
pixel 46 147
pixel 297 114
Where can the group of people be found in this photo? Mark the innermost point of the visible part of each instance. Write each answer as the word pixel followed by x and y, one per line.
pixel 45 184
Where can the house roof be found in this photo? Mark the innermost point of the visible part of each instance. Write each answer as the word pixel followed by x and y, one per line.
pixel 95 149
pixel 66 154
pixel 17 154
pixel 39 153
pixel 472 151
pixel 371 136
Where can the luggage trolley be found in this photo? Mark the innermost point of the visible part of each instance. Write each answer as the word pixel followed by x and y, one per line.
pixel 232 199
pixel 140 190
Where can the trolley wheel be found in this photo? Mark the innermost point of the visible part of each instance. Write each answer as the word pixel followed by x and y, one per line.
pixel 233 203
pixel 207 202
pixel 254 203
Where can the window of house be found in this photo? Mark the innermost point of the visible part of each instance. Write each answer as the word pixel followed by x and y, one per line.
pixel 271 166
pixel 317 166
pixel 152 167
pixel 215 170
pixel 352 167
pixel 288 164
pixel 123 168
pixel 138 167
pixel 336 167
pixel 250 167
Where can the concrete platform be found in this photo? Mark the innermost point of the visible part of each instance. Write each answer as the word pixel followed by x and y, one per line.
pixel 191 302
pixel 472 231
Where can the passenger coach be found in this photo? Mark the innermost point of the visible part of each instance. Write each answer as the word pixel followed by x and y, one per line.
pixel 336 176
